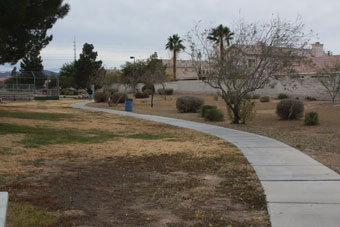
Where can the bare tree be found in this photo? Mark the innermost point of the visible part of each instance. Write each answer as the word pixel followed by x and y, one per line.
pixel 330 79
pixel 257 54
pixel 154 74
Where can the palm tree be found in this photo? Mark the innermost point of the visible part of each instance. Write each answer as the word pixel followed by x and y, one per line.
pixel 219 35
pixel 174 44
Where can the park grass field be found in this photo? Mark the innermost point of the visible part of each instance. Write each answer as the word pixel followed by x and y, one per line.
pixel 69 167
pixel 321 142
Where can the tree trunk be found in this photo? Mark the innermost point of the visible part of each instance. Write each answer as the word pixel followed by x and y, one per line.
pixel 236 113
pixel 152 100
pixel 221 49
pixel 174 64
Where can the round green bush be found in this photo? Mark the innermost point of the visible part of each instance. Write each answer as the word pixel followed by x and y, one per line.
pixel 265 99
pixel 166 91
pixel 290 109
pixel 256 96
pixel 311 118
pixel 309 98
pixel 149 88
pixel 214 115
pixel 141 95
pixel 189 104
pixel 100 96
pixel 204 108
pixel 118 97
pixel 282 96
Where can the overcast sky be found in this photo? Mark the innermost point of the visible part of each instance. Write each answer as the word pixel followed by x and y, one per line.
pixel 119 29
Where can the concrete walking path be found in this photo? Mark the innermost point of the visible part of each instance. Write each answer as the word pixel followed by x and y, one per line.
pixel 3 208
pixel 300 191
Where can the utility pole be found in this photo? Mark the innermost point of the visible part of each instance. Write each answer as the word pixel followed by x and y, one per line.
pixel 75 49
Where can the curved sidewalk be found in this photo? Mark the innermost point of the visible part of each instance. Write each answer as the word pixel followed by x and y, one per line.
pixel 300 191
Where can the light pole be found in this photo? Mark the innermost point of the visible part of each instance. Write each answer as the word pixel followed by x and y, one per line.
pixel 133 72
pixel 133 57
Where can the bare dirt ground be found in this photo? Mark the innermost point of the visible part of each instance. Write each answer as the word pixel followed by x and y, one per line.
pixel 321 142
pixel 141 174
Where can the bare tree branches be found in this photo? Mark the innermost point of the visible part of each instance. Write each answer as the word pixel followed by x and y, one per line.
pixel 257 53
pixel 330 79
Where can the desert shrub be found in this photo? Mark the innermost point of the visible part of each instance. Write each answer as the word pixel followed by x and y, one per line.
pixel 214 114
pixel 256 96
pixel 166 91
pixel 248 96
pixel 309 98
pixel 311 118
pixel 67 91
pixel 189 104
pixel 110 91
pixel 149 89
pixel 247 110
pixel 118 97
pixel 282 96
pixel 141 95
pixel 265 99
pixel 290 109
pixel 100 96
pixel 204 108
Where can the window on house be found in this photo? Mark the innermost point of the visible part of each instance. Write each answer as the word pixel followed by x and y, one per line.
pixel 251 62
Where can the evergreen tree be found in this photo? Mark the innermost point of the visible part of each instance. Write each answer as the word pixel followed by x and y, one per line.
pixel 86 67
pixel 31 67
pixel 67 75
pixel 24 25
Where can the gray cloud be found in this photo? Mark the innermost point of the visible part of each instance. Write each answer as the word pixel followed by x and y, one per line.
pixel 121 28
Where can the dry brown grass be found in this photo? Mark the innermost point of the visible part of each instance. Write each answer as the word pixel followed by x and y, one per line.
pixel 175 177
pixel 321 142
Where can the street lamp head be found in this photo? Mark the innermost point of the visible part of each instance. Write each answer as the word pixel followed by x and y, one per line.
pixel 132 57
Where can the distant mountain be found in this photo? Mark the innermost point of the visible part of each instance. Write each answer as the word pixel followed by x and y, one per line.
pixel 50 73
pixel 47 73
pixel 5 74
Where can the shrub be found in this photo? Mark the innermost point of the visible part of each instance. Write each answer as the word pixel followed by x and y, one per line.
pixel 309 98
pixel 100 96
pixel 67 91
pixel 189 104
pixel 141 95
pixel 311 118
pixel 282 96
pixel 111 91
pixel 149 88
pixel 256 96
pixel 290 109
pixel 248 96
pixel 247 110
pixel 265 99
pixel 214 114
pixel 204 108
pixel 118 97
pixel 166 91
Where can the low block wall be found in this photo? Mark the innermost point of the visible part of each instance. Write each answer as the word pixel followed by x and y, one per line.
pixel 294 88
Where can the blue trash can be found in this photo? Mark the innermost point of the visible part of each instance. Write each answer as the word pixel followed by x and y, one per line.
pixel 128 104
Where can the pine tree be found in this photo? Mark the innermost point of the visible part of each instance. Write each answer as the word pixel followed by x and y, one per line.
pixel 86 67
pixel 30 67
pixel 24 25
